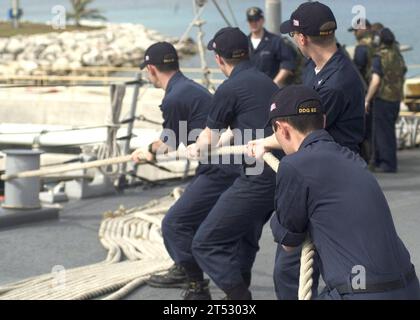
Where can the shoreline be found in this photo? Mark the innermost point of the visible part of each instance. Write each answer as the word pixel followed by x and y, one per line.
pixel 56 53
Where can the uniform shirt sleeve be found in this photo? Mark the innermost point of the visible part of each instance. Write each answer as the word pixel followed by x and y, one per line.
pixel 333 102
pixel 290 221
pixel 222 111
pixel 361 57
pixel 308 72
pixel 286 55
pixel 171 118
pixel 377 66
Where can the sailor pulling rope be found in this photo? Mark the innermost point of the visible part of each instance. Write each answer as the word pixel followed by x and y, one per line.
pixel 305 281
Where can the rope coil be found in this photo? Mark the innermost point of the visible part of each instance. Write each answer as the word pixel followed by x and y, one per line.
pixel 133 234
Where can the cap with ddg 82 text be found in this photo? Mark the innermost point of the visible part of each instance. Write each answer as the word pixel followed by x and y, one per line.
pixel 294 100
pixel 311 19
pixel 230 43
pixel 160 53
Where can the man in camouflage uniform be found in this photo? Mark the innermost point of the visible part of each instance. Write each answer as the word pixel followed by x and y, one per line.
pixel 384 97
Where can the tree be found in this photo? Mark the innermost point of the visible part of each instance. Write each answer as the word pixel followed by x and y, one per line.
pixel 81 11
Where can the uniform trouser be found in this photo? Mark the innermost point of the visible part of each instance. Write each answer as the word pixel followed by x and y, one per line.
pixel 366 147
pixel 185 216
pixel 410 292
pixel 385 115
pixel 286 274
pixel 226 244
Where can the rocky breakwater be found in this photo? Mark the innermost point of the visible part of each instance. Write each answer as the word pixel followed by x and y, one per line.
pixel 118 45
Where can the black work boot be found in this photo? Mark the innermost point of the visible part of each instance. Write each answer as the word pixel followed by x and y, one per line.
pixel 247 278
pixel 197 290
pixel 240 292
pixel 174 278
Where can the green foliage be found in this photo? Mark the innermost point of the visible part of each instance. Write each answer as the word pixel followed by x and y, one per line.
pixel 81 11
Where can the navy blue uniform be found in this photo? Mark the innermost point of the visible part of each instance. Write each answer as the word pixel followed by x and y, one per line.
pixel 226 243
pixel 326 190
pixel 361 58
pixel 185 100
pixel 385 115
pixel 342 92
pixel 272 54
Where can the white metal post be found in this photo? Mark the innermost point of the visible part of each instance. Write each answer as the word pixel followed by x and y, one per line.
pixel 273 15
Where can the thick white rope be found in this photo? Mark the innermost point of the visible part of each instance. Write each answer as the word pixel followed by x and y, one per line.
pixel 308 249
pixel 134 234
pixel 123 234
pixel 306 270
pixel 131 286
pixel 176 155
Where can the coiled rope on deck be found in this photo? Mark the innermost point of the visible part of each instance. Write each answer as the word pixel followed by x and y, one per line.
pixel 132 234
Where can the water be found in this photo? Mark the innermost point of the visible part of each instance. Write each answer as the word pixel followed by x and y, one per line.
pixel 172 17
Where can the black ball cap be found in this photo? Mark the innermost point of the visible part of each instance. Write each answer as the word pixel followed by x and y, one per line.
pixel 230 43
pixel 294 100
pixel 311 19
pixel 387 37
pixel 159 53
pixel 254 14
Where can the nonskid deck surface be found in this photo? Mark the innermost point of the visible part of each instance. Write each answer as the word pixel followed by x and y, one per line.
pixel 72 241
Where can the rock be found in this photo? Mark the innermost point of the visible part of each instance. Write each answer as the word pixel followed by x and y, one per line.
pixel 49 57
pixel 52 49
pixel 92 58
pixel 42 40
pixel 38 50
pixel 4 70
pixel 75 65
pixel 61 64
pixel 3 44
pixel 110 36
pixel 7 57
pixel 20 72
pixel 14 46
pixel 80 36
pixel 28 66
pixel 115 45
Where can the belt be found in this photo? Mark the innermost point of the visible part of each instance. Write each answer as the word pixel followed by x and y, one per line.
pixel 380 286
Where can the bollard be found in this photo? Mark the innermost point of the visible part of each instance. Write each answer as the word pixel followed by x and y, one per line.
pixel 22 193
pixel 22 204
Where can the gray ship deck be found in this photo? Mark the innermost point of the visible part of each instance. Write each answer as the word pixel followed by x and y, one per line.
pixel 72 241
